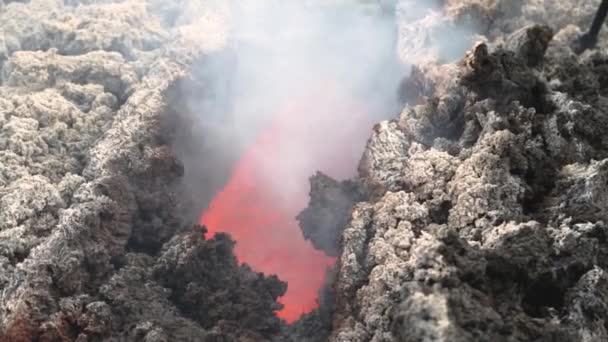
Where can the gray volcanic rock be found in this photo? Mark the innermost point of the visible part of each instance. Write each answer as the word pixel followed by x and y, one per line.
pixel 93 246
pixel 479 213
pixel 488 219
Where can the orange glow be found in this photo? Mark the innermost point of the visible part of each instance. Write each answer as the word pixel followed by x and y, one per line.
pixel 269 187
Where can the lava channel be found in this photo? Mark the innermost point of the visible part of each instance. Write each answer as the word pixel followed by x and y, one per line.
pixel 269 187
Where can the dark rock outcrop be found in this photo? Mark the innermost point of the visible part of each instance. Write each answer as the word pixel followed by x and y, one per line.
pixel 93 245
pixel 328 211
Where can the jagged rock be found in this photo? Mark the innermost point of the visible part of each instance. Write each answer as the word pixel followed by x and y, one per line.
pixel 491 226
pixel 328 211
pixel 222 291
pixel 483 216
pixel 530 43
pixel 383 159
pixel 92 245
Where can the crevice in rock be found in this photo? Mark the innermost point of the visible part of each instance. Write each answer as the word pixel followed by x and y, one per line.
pixel 441 214
pixel 541 296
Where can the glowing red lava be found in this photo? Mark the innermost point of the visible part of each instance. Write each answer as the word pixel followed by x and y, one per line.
pixel 269 187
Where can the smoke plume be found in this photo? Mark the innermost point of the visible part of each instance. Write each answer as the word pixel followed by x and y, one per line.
pixel 283 54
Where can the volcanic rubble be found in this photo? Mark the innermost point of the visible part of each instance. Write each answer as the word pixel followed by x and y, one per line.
pixel 92 244
pixel 478 214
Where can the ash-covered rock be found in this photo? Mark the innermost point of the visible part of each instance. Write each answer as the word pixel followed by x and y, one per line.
pixel 483 216
pixel 223 291
pixel 93 246
pixel 155 299
pixel 487 220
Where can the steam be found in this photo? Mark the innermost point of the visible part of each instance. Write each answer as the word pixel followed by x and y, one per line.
pixel 322 71
pixel 319 73
pixel 297 90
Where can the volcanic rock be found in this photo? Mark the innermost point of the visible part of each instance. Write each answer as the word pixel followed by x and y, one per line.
pixel 93 245
pixel 488 220
pixel 478 214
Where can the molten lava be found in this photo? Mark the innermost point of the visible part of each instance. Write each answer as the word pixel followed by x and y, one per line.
pixel 269 187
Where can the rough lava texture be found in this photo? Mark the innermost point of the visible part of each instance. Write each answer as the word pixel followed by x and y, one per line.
pixel 92 244
pixel 486 217
pixel 479 213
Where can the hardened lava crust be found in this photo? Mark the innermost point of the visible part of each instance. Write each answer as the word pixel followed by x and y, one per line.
pixel 478 214
pixel 486 219
pixel 92 244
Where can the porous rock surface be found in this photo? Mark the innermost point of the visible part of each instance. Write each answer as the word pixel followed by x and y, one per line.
pixel 92 244
pixel 479 214
pixel 487 213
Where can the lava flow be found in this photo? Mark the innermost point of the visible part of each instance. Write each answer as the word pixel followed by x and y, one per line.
pixel 269 187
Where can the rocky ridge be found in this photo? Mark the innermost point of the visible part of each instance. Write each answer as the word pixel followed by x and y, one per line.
pixel 486 216
pixel 93 246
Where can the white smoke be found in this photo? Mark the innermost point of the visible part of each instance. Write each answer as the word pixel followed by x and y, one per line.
pixel 328 69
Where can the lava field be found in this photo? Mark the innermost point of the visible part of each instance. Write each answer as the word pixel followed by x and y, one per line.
pixel 333 171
